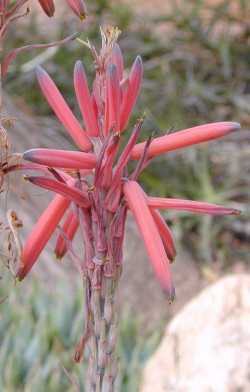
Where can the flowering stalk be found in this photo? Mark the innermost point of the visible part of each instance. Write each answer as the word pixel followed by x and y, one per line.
pixel 95 189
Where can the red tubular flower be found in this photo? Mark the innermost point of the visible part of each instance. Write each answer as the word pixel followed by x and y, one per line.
pixel 104 171
pixel 198 207
pixel 121 164
pixel 69 230
pixel 185 138
pixel 165 234
pixel 62 111
pixel 150 234
pixel 84 100
pixel 117 60
pixel 78 7
pixel 60 158
pixel 68 191
pixel 41 233
pixel 131 94
pixel 113 98
pixel 48 6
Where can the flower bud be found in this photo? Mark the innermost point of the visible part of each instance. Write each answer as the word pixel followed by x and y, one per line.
pixel 78 7
pixel 48 6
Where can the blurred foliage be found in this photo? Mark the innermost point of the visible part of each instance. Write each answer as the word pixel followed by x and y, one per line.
pixel 196 58
pixel 38 332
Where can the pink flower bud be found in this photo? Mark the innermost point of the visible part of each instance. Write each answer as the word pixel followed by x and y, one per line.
pixel 78 7
pixel 114 99
pixel 41 233
pixel 62 110
pixel 165 234
pixel 198 207
pixel 69 229
pixel 67 190
pixel 84 100
pixel 185 138
pixel 48 6
pixel 117 60
pixel 76 160
pixel 130 97
pixel 135 198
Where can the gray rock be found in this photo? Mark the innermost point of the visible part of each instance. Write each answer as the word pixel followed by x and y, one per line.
pixel 206 347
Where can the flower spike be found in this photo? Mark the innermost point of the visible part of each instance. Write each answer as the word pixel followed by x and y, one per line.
pixel 130 97
pixel 198 207
pixel 60 158
pixel 185 138
pixel 84 100
pixel 62 111
pixel 41 233
pixel 137 204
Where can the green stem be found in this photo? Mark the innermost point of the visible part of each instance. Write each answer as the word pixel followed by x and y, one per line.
pixel 102 368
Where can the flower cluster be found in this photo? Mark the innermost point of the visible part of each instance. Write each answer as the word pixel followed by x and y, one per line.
pixel 94 187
